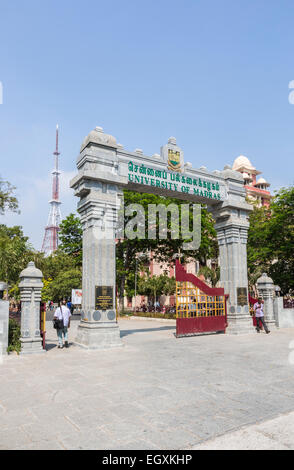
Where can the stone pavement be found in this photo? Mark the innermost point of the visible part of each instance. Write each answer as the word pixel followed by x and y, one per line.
pixel 275 434
pixel 156 392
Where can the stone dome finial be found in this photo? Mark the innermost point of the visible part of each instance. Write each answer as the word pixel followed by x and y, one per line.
pixel 262 181
pixel 172 140
pixel 242 162
pixel 31 271
pixel 97 136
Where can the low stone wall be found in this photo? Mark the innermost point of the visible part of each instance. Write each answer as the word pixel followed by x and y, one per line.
pixel 284 316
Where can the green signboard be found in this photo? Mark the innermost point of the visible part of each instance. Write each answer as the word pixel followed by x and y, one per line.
pixel 173 181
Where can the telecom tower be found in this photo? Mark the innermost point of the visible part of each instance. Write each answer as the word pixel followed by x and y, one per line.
pixel 50 241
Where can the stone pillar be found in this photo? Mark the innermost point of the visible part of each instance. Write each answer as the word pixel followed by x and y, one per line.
pixel 97 186
pixel 4 320
pixel 232 226
pixel 266 290
pixel 30 287
pixel 98 328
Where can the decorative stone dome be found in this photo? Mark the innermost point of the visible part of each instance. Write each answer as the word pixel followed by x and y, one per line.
pixel 242 162
pixel 172 140
pixel 31 271
pixel 262 181
pixel 97 136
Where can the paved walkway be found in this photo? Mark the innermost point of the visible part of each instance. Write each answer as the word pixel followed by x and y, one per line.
pixel 275 434
pixel 156 392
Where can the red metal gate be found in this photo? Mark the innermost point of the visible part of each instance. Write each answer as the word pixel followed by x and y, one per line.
pixel 199 308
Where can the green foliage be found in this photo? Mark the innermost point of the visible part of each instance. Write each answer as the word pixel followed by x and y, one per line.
pixel 14 292
pixel 56 263
pixel 211 275
pixel 259 254
pixel 271 241
pixel 7 200
pixel 46 292
pixel 61 285
pixel 162 250
pixel 168 316
pixel 154 285
pixel 14 334
pixel 15 252
pixel 71 237
pixel 281 239
pixel 61 270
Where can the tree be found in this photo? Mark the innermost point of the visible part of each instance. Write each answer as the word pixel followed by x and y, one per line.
pixel 71 237
pixel 271 241
pixel 154 285
pixel 212 275
pixel 281 239
pixel 7 200
pixel 61 286
pixel 57 263
pixel 161 250
pixel 259 252
pixel 15 252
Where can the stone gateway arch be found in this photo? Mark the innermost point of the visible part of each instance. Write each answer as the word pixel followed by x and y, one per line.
pixel 105 168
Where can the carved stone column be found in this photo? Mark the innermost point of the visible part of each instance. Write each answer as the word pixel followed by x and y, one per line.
pixel 30 287
pixel 232 227
pixel 266 290
pixel 98 207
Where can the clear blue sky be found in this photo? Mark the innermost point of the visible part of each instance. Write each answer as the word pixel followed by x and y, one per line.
pixel 214 74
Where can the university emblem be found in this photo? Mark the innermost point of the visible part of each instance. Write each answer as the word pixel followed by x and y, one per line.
pixel 174 161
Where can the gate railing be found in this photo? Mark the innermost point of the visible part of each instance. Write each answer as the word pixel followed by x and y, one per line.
pixel 199 308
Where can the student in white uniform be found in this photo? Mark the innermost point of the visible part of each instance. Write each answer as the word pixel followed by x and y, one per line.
pixel 63 313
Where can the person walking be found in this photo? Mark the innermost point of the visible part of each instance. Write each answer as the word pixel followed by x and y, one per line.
pixel 259 315
pixel 62 313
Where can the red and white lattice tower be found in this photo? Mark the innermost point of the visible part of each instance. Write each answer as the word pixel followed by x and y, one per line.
pixel 50 241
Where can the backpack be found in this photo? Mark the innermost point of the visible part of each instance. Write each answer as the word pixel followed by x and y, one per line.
pixel 58 324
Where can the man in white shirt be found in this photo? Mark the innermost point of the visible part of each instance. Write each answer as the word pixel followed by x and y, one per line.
pixel 63 313
pixel 259 315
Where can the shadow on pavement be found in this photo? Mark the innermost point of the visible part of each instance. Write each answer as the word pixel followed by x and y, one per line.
pixel 144 330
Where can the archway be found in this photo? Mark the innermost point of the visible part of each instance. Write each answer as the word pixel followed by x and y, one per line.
pixel 105 168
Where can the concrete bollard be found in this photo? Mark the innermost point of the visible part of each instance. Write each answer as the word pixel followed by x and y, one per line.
pixel 30 294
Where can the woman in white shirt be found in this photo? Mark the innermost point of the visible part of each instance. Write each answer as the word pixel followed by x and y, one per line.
pixel 63 313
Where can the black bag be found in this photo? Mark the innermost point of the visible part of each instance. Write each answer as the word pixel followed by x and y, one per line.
pixel 58 324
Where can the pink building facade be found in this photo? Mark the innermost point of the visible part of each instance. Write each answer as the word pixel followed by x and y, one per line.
pixel 256 189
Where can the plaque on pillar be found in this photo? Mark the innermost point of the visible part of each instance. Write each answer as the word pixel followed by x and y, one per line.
pixel 242 298
pixel 103 297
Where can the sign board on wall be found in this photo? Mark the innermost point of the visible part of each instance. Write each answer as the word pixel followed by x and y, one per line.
pixel 204 187
pixel 76 296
